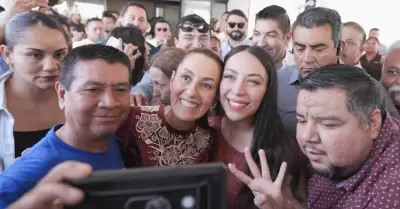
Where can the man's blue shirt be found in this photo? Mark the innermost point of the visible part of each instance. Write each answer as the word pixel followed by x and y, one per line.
pixel 23 175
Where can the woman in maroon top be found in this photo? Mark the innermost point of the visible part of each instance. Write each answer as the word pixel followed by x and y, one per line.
pixel 248 96
pixel 177 134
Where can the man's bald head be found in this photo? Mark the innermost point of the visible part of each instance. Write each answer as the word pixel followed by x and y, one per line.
pixel 391 73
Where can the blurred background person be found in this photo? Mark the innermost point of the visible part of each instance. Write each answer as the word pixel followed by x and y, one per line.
pixel 133 38
pixel 94 30
pixel 161 67
pixel 353 40
pixel 109 22
pixel 372 61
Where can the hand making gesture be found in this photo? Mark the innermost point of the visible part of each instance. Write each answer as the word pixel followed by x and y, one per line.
pixel 268 193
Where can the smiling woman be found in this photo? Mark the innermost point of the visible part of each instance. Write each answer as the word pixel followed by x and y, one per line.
pixel 178 134
pixel 28 100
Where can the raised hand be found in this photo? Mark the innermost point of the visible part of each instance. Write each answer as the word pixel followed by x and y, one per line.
pixel 18 6
pixel 268 193
pixel 129 49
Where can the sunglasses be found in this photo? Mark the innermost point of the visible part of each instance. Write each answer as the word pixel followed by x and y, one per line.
pixel 162 29
pixel 233 25
pixel 189 27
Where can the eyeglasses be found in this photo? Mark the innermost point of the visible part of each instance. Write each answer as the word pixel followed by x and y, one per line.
pixel 233 25
pixel 189 27
pixel 162 29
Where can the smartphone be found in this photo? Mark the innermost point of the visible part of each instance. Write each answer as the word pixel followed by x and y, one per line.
pixel 113 42
pixel 187 187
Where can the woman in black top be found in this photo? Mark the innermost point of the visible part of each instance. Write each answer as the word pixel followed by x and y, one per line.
pixel 372 61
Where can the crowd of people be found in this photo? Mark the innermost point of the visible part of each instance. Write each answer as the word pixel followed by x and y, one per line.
pixel 314 125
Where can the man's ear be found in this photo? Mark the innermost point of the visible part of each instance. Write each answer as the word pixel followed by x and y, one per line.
pixel 61 90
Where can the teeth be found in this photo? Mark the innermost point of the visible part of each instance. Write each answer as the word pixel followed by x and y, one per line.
pixel 188 104
pixel 236 104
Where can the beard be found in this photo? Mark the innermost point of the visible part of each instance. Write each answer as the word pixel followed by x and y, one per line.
pixel 236 35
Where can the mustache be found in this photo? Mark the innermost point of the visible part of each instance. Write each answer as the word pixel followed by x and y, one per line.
pixel 394 89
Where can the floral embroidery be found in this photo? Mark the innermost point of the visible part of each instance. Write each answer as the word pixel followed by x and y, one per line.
pixel 150 108
pixel 169 148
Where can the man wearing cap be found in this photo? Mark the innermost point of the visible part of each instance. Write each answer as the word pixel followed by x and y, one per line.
pixel 390 78
pixel 192 32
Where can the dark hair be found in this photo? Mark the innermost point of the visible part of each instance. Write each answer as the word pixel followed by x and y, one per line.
pixel 318 17
pixel 88 53
pixel 132 4
pixel 132 35
pixel 357 27
pixel 77 27
pixel 269 132
pixel 2 9
pixel 167 60
pixel 94 19
pixel 372 29
pixel 236 12
pixel 361 90
pixel 154 23
pixel 107 14
pixel 192 18
pixel 16 27
pixel 278 14
pixel 203 121
pixel 61 19
pixel 373 38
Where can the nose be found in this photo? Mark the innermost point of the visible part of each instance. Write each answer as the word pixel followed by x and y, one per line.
pixel 50 64
pixel 196 43
pixel 191 90
pixel 108 100
pixel 308 56
pixel 308 133
pixel 238 88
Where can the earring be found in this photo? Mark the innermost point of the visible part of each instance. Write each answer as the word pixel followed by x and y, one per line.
pixel 61 105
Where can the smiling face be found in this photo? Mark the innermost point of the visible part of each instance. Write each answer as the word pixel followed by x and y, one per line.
pixel 194 87
pixel 269 36
pixel 97 100
pixel 243 86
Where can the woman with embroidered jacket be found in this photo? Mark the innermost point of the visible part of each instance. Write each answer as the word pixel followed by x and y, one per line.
pixel 178 134
pixel 248 96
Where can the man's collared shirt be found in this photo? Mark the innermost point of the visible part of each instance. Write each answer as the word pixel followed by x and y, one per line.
pixel 376 185
pixel 288 89
pixel 226 47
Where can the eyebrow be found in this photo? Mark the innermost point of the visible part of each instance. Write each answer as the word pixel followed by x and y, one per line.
pixel 204 79
pixel 249 75
pixel 41 50
pixel 273 32
pixel 96 83
pixel 322 118
pixel 312 46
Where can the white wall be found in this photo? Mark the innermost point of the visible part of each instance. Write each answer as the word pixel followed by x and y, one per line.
pixel 382 14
